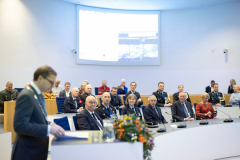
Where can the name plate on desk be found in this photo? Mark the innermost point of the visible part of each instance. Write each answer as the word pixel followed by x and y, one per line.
pixel 74 136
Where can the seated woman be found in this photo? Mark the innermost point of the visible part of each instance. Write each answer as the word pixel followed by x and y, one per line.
pixel 49 95
pixel 131 106
pixel 204 109
pixel 176 95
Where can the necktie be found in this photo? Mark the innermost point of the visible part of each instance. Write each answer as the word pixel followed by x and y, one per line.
pixel 133 109
pixel 75 102
pixel 155 108
pixel 43 102
pixel 185 110
pixel 95 118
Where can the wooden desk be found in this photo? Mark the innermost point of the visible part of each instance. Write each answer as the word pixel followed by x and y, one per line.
pixel 9 111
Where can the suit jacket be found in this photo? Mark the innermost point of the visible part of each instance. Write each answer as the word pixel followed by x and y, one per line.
pixel 137 95
pixel 151 115
pixel 116 102
pixel 214 99
pixel 230 90
pixel 127 108
pixel 176 98
pixel 208 89
pixel 63 93
pixel 103 113
pixel 30 126
pixel 160 101
pixel 70 106
pixel 125 90
pixel 85 121
pixel 178 111
pixel 83 97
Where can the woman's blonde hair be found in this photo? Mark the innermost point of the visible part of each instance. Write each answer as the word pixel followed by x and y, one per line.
pixel 233 82
pixel 205 95
pixel 131 96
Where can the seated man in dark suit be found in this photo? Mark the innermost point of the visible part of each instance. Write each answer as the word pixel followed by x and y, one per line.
pixel 176 95
pixel 133 86
pixel 88 119
pixel 182 110
pixel 65 92
pixel 153 113
pixel 105 110
pixel 210 87
pixel 72 104
pixel 88 92
pixel 216 98
pixel 8 94
pixel 131 106
pixel 163 99
pixel 115 99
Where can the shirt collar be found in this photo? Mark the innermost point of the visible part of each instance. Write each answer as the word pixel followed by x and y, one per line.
pixel 36 88
pixel 89 111
pixel 67 92
pixel 133 92
pixel 106 106
pixel 131 107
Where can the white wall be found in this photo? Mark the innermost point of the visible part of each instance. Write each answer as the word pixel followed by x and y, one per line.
pixel 35 33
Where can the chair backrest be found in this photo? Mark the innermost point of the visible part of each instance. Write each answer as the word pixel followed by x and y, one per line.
pixel 19 89
pixel 96 90
pixel 60 104
pixel 195 104
pixel 75 122
pixel 143 108
pixel 63 122
pixel 100 99
pixel 120 111
pixel 124 100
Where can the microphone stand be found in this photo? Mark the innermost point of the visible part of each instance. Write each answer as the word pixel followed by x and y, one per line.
pixel 226 120
pixel 180 125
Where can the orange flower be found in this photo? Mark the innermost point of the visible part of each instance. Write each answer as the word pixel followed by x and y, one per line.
pixel 142 139
pixel 139 128
pixel 120 133
pixel 136 121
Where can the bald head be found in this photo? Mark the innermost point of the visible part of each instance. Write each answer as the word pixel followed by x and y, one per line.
pixel 9 85
pixel 182 97
pixel 88 89
pixel 75 92
pixel 236 88
pixel 90 103
pixel 106 98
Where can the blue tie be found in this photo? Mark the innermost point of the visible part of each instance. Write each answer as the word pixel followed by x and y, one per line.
pixel 156 110
pixel 185 110
pixel 43 102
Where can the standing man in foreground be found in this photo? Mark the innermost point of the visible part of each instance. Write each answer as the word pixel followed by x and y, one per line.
pixel 30 119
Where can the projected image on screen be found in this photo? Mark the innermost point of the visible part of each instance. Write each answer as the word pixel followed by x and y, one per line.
pixel 107 38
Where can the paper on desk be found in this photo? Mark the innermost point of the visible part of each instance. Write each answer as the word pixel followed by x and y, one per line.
pixel 77 134
pixel 74 135
pixel 173 126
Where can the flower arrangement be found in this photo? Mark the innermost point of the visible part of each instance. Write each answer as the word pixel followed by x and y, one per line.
pixel 131 129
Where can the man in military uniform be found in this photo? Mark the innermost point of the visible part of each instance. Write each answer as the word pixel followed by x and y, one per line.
pixel 105 110
pixel 163 99
pixel 216 98
pixel 88 92
pixel 8 94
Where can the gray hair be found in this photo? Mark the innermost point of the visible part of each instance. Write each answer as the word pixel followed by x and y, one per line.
pixel 123 80
pixel 151 97
pixel 182 93
pixel 90 97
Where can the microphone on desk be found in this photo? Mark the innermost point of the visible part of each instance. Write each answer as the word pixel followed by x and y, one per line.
pixel 162 129
pixel 204 122
pixel 226 120
pixel 180 125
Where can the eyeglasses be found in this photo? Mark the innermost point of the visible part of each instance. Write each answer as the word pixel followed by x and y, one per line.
pixel 52 83
pixel 92 102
